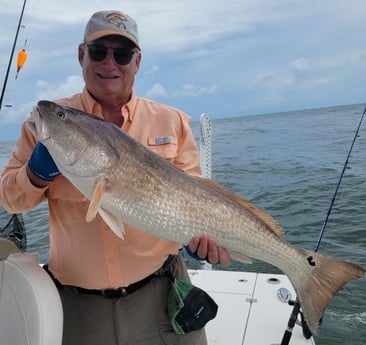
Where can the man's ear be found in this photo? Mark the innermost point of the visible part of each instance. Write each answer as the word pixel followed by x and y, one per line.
pixel 81 53
pixel 138 61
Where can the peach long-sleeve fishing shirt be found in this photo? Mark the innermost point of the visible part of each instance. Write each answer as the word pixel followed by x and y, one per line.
pixel 90 255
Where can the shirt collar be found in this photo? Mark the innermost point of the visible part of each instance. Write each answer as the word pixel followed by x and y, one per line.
pixel 93 107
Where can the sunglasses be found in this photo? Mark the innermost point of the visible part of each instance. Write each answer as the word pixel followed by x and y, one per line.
pixel 98 52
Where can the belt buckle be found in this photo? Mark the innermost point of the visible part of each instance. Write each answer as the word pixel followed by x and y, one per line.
pixel 114 293
pixel 123 291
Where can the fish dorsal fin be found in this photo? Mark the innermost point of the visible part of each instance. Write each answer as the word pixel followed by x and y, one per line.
pixel 96 200
pixel 268 220
pixel 115 224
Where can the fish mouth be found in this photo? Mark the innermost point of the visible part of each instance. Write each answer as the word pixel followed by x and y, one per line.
pixel 37 126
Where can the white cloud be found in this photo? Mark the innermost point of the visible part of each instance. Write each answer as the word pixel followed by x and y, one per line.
pixel 187 90
pixel 16 114
pixel 270 80
pixel 262 79
pixel 299 66
pixel 72 85
pixel 43 90
pixel 311 83
pixel 145 75
pixel 256 49
pixel 153 69
pixel 156 91
pixel 172 26
pixel 190 90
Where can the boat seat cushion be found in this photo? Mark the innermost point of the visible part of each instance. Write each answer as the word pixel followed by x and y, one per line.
pixel 30 305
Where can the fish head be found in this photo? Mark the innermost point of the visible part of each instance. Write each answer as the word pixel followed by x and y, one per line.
pixel 71 138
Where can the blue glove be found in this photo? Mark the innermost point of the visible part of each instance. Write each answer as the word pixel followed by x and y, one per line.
pixel 193 255
pixel 41 163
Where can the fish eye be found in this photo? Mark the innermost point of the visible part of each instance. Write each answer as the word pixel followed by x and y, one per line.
pixel 60 115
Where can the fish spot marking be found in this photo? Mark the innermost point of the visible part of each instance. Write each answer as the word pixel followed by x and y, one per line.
pixel 310 260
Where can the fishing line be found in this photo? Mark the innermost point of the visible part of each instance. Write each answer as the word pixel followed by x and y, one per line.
pixel 322 230
pixel 296 309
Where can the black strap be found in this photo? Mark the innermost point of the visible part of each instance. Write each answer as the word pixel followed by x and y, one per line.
pixel 122 291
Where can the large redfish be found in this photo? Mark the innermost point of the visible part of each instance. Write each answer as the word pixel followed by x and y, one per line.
pixel 127 183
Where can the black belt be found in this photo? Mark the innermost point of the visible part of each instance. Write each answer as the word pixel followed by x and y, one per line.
pixel 122 291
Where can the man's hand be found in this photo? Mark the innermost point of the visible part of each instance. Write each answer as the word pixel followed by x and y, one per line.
pixel 207 249
pixel 41 168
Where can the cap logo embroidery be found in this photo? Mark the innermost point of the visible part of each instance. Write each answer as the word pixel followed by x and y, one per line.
pixel 117 19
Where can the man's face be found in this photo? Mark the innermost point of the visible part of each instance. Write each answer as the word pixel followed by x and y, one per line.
pixel 107 79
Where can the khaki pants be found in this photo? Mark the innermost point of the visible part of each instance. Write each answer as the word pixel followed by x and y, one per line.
pixel 136 319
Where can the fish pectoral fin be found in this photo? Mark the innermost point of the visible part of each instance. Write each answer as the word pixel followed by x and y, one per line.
pixel 114 223
pixel 96 200
pixel 267 219
pixel 94 207
pixel 245 259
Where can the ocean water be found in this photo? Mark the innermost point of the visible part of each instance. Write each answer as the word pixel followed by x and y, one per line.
pixel 289 164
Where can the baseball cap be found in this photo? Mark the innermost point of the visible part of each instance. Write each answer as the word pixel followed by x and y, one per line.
pixel 105 23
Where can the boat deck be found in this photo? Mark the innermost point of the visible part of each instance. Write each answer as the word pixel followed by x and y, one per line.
pixel 250 311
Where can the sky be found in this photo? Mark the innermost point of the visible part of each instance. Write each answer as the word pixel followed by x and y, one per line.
pixel 224 58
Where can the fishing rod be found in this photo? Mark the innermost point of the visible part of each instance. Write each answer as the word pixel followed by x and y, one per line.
pixel 11 54
pixel 296 309
pixel 15 230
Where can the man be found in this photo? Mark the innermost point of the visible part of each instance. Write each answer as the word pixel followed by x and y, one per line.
pixel 113 291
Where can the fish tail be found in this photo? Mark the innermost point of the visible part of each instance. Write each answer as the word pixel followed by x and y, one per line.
pixel 317 289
